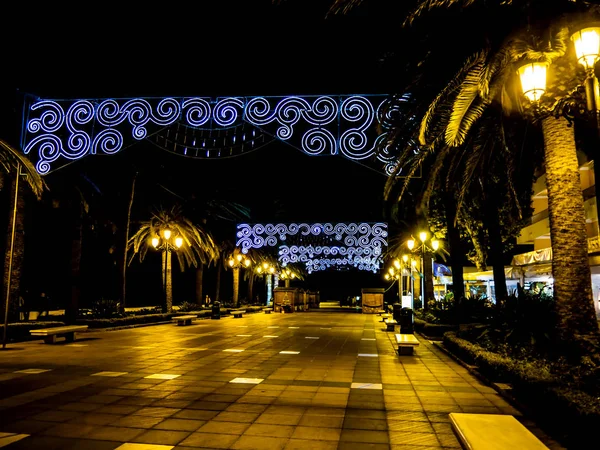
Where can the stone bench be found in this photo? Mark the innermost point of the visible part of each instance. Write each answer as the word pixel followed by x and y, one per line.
pixel 184 320
pixel 493 431
pixel 237 313
pixel 49 334
pixel 268 310
pixel 390 324
pixel 385 316
pixel 406 343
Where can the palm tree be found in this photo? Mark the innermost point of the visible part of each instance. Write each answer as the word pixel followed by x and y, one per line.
pixel 488 79
pixel 14 166
pixel 198 246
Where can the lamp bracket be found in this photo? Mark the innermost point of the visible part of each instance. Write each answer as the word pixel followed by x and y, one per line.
pixel 571 106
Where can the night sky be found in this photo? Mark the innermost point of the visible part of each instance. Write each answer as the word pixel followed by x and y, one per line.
pixel 229 48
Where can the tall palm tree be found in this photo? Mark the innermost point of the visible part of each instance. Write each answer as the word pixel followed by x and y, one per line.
pixel 15 166
pixel 198 245
pixel 488 78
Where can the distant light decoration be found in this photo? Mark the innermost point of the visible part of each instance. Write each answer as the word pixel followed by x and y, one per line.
pixel 318 125
pixel 319 246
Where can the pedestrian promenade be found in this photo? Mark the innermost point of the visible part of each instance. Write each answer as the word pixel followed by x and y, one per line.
pixel 305 380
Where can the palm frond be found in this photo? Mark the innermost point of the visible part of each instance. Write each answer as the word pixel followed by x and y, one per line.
pixel 11 159
pixel 441 101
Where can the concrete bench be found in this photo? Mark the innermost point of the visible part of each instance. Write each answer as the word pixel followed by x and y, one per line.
pixel 184 320
pixel 406 343
pixel 385 316
pixel 268 310
pixel 493 432
pixel 391 324
pixel 50 334
pixel 237 313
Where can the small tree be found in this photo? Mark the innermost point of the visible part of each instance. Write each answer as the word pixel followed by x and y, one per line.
pixel 198 246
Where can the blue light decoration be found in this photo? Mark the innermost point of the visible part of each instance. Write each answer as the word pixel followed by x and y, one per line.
pixel 319 246
pixel 354 126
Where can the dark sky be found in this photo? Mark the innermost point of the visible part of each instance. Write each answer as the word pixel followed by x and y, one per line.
pixel 218 48
pixel 248 47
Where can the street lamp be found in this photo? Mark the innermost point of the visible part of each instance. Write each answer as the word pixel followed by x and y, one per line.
pixel 236 261
pixel 162 241
pixel 423 248
pixel 287 275
pixel 267 270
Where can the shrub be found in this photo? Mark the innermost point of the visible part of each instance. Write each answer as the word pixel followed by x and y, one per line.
pixel 104 308
pixel 187 307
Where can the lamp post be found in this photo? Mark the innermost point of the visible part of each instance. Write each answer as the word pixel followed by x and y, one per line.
pixel 566 210
pixel 424 248
pixel 236 261
pixel 286 275
pixel 267 270
pixel 162 241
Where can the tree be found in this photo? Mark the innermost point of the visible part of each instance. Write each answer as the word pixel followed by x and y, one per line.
pixel 487 79
pixel 198 245
pixel 14 167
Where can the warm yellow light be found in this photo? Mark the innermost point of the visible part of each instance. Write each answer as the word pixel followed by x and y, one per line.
pixel 154 242
pixel 423 236
pixel 533 79
pixel 178 241
pixel 387 276
pixel 247 263
pixel 391 270
pixel 265 265
pixel 259 269
pixel 414 263
pixel 293 275
pixel 271 269
pixel 167 234
pixel 410 244
pixel 435 244
pixel 396 264
pixel 405 258
pixel 231 262
pixel 587 46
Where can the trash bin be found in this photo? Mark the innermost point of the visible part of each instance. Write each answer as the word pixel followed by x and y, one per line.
pixel 216 311
pixel 397 312
pixel 406 321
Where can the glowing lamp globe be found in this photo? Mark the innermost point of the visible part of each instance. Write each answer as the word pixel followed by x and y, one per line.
pixel 533 79
pixel 587 46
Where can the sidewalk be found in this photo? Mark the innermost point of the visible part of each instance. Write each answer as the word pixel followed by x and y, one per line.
pixel 263 381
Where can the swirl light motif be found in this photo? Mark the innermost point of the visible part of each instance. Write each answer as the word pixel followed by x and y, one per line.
pixel 319 246
pixel 318 125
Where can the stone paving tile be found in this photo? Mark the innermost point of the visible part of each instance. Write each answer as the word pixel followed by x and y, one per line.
pixel 305 401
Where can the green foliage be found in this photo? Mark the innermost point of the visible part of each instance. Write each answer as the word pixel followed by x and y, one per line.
pixel 187 307
pixel 105 308
pixel 560 396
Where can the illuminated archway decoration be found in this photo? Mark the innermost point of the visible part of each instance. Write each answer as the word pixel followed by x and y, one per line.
pixel 57 131
pixel 319 246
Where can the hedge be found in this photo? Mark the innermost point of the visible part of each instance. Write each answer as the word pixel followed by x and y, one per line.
pixel 571 416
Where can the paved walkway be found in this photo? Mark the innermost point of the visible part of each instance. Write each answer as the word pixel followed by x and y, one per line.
pixel 264 381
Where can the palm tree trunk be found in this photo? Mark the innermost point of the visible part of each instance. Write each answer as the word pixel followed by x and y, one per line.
pixel 496 246
pixel 218 286
pixel 169 283
pixel 72 308
pixel 456 250
pixel 199 279
pixel 577 324
pixel 428 273
pixel 123 261
pixel 236 286
pixel 251 288
pixel 16 265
